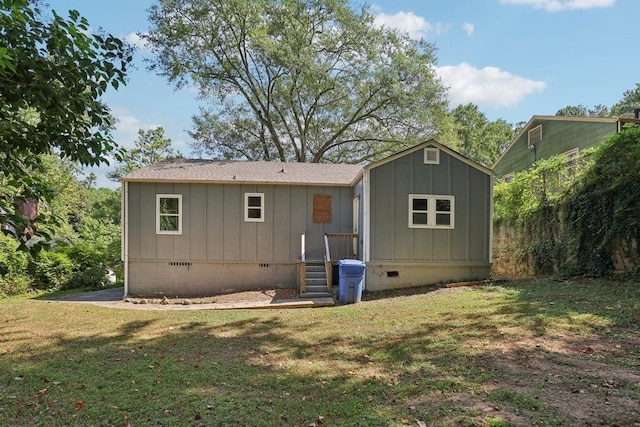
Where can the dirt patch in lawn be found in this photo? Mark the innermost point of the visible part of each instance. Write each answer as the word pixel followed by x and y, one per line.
pixel 264 295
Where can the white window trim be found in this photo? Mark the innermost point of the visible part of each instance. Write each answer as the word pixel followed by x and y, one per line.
pixel 428 150
pixel 431 211
pixel 246 207
pixel 158 214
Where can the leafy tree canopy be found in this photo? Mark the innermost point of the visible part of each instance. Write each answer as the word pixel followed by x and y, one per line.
pixel 582 111
pixel 297 80
pixel 52 74
pixel 629 102
pixel 478 138
pixel 151 147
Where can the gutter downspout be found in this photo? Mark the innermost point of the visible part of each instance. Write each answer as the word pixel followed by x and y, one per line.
pixel 366 226
pixel 125 235
pixel 491 181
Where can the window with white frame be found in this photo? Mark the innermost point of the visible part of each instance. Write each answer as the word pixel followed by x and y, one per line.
pixel 169 213
pixel 254 207
pixel 431 156
pixel 428 211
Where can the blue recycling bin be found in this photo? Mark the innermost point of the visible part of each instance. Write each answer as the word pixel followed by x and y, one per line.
pixel 350 280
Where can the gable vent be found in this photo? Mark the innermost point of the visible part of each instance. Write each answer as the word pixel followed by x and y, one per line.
pixel 431 156
pixel 535 136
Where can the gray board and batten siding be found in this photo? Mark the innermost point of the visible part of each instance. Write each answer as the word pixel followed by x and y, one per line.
pixel 217 249
pixel 401 256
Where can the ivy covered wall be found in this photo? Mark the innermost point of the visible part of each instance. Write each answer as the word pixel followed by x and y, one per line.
pixel 581 218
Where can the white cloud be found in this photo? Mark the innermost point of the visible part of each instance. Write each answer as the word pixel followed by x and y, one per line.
pixel 127 127
pixel 486 87
pixel 560 5
pixel 415 26
pixel 468 28
pixel 135 40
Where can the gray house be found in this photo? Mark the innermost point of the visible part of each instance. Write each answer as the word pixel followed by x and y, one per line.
pixel 198 227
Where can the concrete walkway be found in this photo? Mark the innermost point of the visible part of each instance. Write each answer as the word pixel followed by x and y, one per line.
pixel 114 298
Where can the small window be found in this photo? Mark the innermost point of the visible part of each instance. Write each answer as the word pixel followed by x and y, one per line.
pixel 254 207
pixel 509 177
pixel 169 213
pixel 431 156
pixel 535 135
pixel 426 211
pixel 571 158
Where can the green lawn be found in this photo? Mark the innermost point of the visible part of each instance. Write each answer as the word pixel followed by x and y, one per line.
pixel 523 353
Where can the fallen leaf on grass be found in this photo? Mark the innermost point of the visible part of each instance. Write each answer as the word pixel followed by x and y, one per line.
pixel 79 405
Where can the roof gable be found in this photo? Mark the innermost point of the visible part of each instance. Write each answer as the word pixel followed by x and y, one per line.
pixel 432 143
pixel 241 172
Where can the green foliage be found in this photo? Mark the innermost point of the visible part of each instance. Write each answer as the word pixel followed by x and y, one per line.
pixel 89 267
pixel 629 102
pixel 577 224
pixel 52 75
pixel 602 210
pixel 479 139
pixel 13 268
pixel 50 270
pixel 298 80
pixel 583 111
pixel 151 147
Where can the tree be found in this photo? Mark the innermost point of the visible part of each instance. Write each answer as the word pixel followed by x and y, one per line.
pixel 582 111
pixel 151 147
pixel 52 74
pixel 297 80
pixel 629 102
pixel 478 138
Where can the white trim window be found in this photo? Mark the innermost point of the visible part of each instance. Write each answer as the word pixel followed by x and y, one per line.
pixel 254 207
pixel 431 156
pixel 429 211
pixel 169 213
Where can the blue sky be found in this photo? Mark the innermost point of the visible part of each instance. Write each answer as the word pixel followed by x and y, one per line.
pixel 512 58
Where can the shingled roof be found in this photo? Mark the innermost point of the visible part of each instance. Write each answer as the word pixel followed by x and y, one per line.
pixel 239 172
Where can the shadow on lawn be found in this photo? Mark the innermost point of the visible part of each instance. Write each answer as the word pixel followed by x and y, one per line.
pixel 377 363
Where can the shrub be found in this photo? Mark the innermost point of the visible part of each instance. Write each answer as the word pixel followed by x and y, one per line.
pixel 13 268
pixel 89 267
pixel 51 270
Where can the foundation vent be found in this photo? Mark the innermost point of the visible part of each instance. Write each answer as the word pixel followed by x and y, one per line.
pixel 180 264
pixel 263 265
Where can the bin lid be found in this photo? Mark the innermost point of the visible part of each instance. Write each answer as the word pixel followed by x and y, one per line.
pixel 351 262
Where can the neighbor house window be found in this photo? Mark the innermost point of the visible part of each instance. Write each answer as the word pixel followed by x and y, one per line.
pixel 509 177
pixel 426 211
pixel 254 207
pixel 571 157
pixel 169 213
pixel 431 156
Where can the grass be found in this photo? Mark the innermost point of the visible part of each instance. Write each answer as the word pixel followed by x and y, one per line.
pixel 525 353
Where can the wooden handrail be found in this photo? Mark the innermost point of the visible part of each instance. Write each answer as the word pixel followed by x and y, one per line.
pixel 343 245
